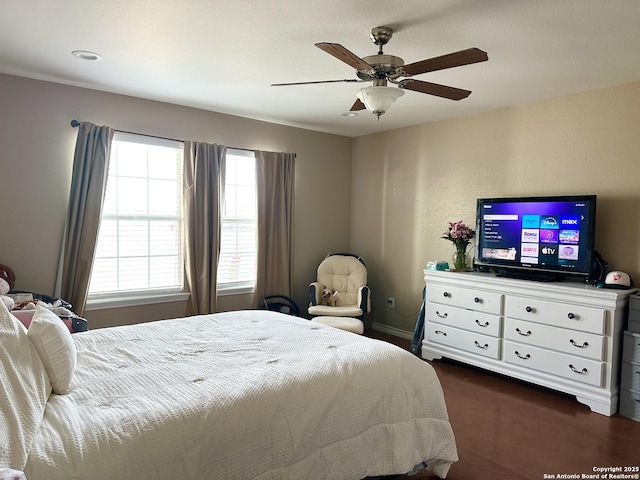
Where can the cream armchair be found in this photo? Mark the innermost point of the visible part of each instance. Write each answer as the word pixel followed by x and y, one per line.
pixel 345 274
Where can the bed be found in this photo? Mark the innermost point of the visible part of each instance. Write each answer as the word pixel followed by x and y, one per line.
pixel 235 395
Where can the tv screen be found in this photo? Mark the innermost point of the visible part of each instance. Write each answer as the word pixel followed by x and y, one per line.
pixel 552 235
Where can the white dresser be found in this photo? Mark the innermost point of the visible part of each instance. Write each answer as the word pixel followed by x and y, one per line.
pixel 566 336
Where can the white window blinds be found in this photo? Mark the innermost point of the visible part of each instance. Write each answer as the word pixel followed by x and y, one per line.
pixel 238 253
pixel 139 247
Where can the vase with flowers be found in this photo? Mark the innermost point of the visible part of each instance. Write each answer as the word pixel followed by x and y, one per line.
pixel 460 235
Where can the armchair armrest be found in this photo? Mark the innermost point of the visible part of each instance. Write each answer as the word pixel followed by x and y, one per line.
pixel 315 293
pixel 364 299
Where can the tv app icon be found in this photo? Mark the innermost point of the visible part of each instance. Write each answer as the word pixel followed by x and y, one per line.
pixel 549 253
pixel 550 222
pixel 568 252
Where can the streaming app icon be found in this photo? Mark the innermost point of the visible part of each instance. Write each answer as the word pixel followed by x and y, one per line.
pixel 549 254
pixel 570 236
pixel 568 252
pixel 570 221
pixel 529 250
pixel 530 221
pixel 548 236
pixel 530 235
pixel 550 222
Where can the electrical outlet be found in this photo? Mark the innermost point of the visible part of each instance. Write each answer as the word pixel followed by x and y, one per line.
pixel 391 303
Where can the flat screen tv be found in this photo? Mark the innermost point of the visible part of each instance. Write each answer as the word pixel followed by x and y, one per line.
pixel 543 238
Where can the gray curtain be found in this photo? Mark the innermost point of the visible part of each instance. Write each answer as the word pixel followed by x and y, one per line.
pixel 275 176
pixel 203 181
pixel 88 186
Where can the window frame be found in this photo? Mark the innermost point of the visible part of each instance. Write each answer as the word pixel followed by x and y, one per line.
pixel 244 286
pixel 146 296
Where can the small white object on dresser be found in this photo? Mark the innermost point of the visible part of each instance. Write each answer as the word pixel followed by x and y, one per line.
pixel 562 335
pixel 630 377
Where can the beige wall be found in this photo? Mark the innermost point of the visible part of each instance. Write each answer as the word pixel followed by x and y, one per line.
pixel 409 183
pixel 36 152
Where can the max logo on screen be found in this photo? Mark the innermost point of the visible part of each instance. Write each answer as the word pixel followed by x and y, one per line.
pixel 570 221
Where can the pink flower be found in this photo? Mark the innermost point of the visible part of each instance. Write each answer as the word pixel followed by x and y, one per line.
pixel 459 234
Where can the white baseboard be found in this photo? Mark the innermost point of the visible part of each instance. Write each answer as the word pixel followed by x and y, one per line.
pixel 380 327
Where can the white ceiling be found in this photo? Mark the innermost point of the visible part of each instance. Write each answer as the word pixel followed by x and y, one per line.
pixel 223 55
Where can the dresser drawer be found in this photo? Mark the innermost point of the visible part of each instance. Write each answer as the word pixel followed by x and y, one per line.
pixel 630 404
pixel 634 304
pixel 630 376
pixel 480 322
pixel 631 347
pixel 478 300
pixel 555 363
pixel 573 342
pixel 634 314
pixel 558 314
pixel 463 340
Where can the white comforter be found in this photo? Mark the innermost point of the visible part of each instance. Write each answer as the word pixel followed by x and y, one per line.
pixel 241 395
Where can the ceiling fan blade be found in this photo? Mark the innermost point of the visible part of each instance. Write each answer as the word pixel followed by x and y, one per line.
pixel 456 59
pixel 358 105
pixel 344 55
pixel 317 81
pixel 436 89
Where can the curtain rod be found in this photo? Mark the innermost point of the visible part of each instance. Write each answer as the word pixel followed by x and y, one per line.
pixel 75 123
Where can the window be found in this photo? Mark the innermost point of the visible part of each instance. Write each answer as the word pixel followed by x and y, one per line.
pixel 238 252
pixel 139 248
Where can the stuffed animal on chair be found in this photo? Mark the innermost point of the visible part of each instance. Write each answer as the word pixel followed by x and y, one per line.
pixel 329 297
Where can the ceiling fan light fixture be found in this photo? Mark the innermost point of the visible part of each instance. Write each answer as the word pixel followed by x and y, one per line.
pixel 378 100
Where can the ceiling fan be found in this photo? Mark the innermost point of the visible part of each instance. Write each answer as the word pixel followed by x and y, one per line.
pixel 382 69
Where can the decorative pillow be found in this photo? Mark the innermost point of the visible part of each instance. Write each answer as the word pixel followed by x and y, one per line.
pixel 24 390
pixel 9 474
pixel 55 346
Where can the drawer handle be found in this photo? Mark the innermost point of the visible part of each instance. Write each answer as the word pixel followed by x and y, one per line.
pixel 485 324
pixel 575 370
pixel 477 300
pixel 440 332
pixel 484 347
pixel 442 315
pixel 523 334
pixel 446 294
pixel 529 309
pixel 571 316
pixel 523 357
pixel 584 345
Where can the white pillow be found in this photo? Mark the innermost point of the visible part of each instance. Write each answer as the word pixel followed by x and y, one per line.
pixel 24 390
pixel 10 474
pixel 55 346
